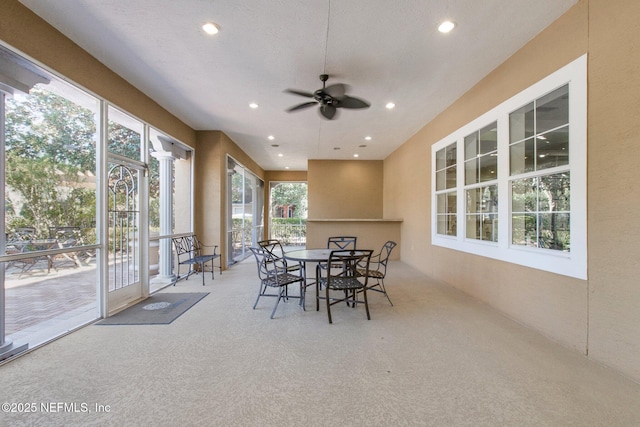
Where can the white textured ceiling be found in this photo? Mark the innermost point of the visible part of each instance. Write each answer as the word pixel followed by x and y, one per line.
pixel 385 50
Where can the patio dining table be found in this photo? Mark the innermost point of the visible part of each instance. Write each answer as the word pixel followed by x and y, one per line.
pixel 303 256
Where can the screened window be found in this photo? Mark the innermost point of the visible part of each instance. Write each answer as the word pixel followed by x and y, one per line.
pixel 125 135
pixel 52 142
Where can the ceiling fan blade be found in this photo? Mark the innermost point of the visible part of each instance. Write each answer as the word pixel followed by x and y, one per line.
pixel 301 106
pixel 353 103
pixel 328 111
pixel 299 92
pixel 336 90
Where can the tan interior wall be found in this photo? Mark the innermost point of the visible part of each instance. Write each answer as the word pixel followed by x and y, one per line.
pixel 612 185
pixel 348 189
pixel 598 317
pixel 210 185
pixel 345 189
pixel 27 32
pixel 209 178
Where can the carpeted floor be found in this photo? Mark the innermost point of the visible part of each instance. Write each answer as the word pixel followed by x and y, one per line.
pixel 436 358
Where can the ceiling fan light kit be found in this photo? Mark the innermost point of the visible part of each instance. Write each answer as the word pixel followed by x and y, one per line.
pixel 329 99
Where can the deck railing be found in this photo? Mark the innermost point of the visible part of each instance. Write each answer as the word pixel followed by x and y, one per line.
pixel 289 234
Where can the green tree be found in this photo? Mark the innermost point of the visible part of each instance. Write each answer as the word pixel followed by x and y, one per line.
pixel 290 194
pixel 50 147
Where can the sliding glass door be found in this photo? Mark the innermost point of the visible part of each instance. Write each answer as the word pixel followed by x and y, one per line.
pixel 245 211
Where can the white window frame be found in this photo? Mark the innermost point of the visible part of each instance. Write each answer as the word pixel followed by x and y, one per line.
pixel 573 263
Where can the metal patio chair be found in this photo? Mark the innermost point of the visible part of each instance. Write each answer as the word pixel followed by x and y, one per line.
pixel 345 278
pixel 272 273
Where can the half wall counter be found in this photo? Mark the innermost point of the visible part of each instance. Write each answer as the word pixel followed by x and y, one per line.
pixel 372 233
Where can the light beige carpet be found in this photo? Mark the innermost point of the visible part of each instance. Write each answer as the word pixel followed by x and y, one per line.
pixel 436 358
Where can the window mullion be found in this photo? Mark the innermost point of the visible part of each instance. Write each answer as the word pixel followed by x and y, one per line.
pixel 504 190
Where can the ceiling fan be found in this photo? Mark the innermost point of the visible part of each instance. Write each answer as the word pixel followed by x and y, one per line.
pixel 330 98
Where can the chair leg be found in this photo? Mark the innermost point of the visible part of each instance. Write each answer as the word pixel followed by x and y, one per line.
pixel 202 268
pixel 279 297
pixel 177 276
pixel 261 292
pixel 384 290
pixel 328 304
pixel 366 303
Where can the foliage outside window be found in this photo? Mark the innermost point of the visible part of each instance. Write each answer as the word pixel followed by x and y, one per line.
pixel 50 162
pixel 288 220
pixel 124 134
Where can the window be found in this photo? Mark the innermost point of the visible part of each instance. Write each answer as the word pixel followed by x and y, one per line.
pixel 539 142
pixel 445 186
pixel 245 208
pixel 521 195
pixel 481 173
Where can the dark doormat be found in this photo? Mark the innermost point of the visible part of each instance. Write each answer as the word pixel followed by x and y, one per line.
pixel 158 309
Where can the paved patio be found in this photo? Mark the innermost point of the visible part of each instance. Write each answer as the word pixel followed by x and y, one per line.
pixel 43 303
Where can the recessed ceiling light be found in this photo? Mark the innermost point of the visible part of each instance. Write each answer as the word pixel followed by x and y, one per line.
pixel 271 137
pixel 356 155
pixel 446 26
pixel 286 167
pixel 368 138
pixel 390 105
pixel 280 155
pixel 210 28
pixel 253 105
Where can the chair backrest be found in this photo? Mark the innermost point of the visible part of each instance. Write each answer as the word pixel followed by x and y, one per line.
pixel 383 256
pixel 24 234
pixel 347 262
pixel 268 266
pixel 272 246
pixel 186 247
pixel 341 242
pixel 385 252
pixel 68 235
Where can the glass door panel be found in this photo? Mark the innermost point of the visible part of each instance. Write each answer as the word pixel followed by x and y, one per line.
pixel 245 195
